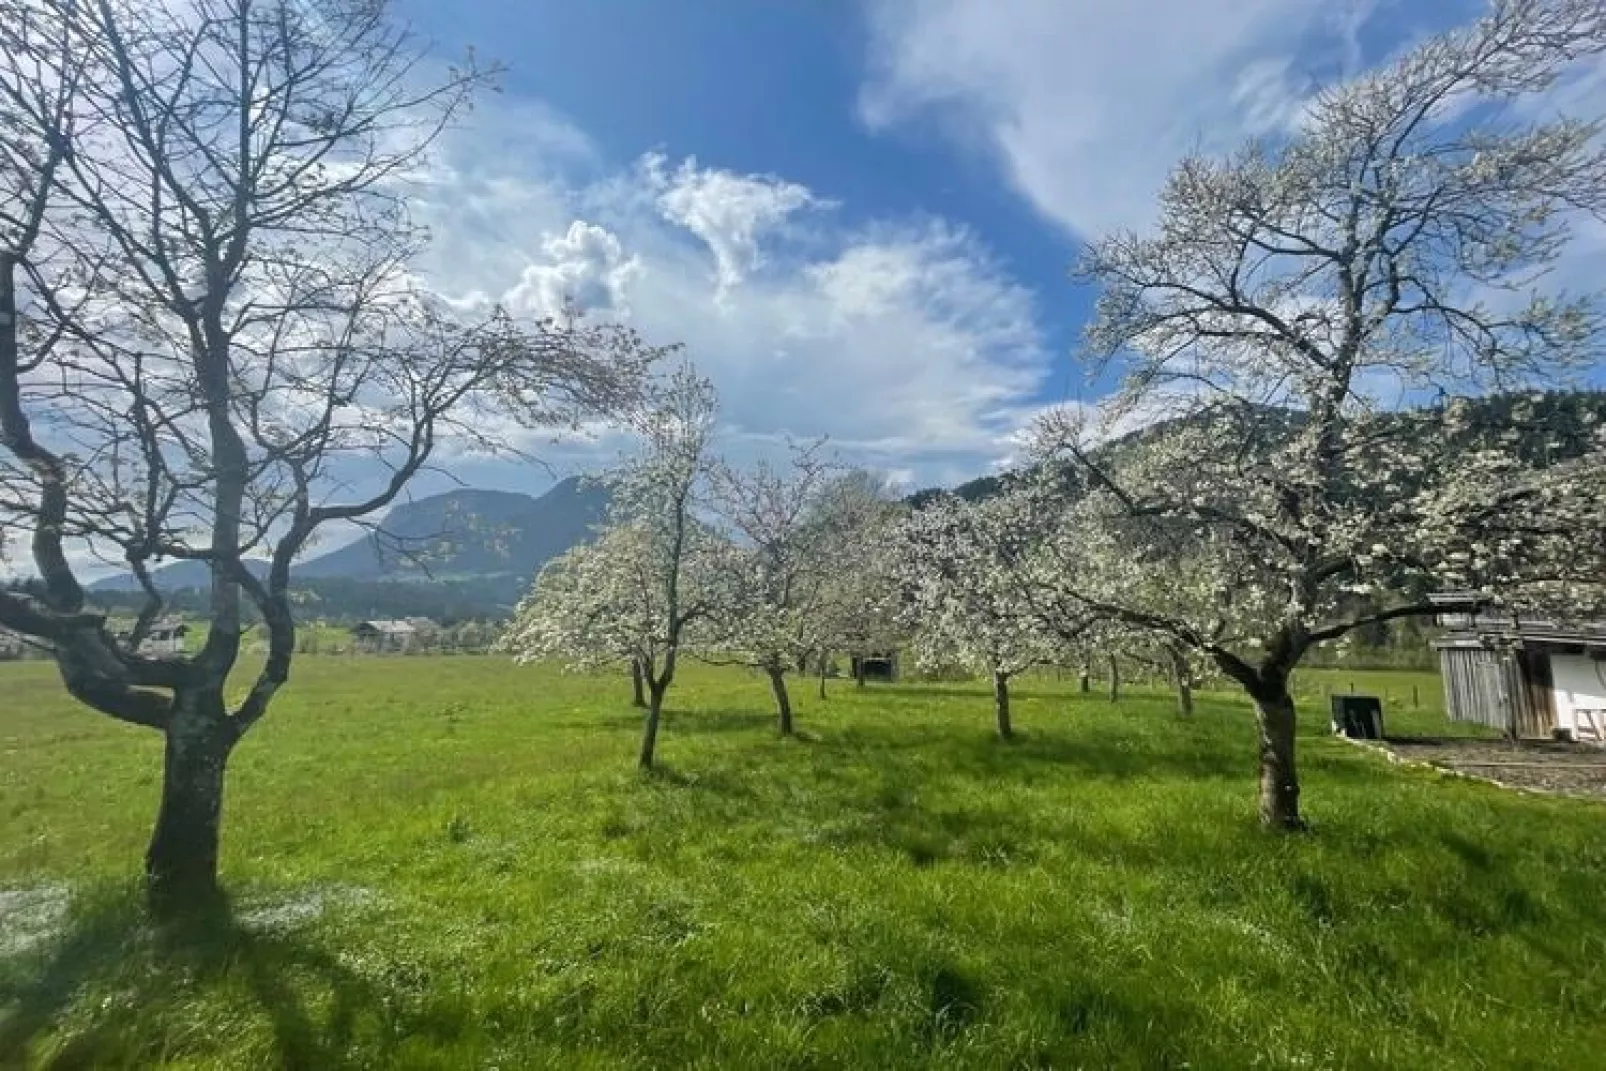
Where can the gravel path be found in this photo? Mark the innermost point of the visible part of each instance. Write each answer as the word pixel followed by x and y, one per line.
pixel 1544 765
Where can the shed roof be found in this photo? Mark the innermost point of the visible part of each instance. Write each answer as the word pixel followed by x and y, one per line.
pixel 1488 627
pixel 385 626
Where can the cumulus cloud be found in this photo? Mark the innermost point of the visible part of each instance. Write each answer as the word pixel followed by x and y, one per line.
pixel 904 341
pixel 730 212
pixel 585 264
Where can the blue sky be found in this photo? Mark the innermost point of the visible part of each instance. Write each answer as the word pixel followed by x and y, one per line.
pixel 858 216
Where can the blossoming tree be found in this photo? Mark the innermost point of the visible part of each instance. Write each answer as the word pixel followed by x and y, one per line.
pixel 656 571
pixel 853 521
pixel 780 566
pixel 958 566
pixel 1285 297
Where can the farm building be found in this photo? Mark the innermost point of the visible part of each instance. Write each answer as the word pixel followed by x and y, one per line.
pixel 167 636
pixel 1529 678
pixel 11 645
pixel 394 636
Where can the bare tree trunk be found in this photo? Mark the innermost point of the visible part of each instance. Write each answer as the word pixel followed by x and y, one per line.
pixel 1084 680
pixel 1115 679
pixel 858 671
pixel 1279 781
pixel 649 729
pixel 824 660
pixel 1006 731
pixel 637 685
pixel 783 702
pixel 181 864
pixel 1182 675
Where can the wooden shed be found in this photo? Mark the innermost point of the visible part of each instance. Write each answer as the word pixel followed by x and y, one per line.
pixel 1528 678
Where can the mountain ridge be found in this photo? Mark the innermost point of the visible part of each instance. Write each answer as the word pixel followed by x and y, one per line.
pixel 470 533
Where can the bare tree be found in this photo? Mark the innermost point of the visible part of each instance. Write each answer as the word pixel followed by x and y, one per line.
pixel 1393 245
pixel 223 348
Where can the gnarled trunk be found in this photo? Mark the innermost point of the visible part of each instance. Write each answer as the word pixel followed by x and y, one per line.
pixel 638 691
pixel 181 863
pixel 1001 705
pixel 1279 781
pixel 649 729
pixel 783 702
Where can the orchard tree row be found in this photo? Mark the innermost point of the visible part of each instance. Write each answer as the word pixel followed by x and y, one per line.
pixel 217 340
pixel 1291 336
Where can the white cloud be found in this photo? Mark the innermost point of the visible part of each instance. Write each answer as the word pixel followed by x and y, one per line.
pixel 904 341
pixel 1269 96
pixel 586 264
pixel 731 213
pixel 1087 103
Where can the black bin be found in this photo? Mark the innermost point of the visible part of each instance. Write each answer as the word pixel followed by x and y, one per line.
pixel 1359 717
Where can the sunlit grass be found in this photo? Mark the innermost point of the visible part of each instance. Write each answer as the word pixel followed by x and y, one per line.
pixel 450 862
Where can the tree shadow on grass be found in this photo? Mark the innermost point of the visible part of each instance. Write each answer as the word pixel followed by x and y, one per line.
pixel 721 721
pixel 112 989
pixel 1034 753
pixel 678 720
pixel 981 691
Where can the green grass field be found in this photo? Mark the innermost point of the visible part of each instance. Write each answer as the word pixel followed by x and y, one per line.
pixel 451 863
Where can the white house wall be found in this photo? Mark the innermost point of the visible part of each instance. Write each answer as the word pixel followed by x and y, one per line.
pixel 1579 682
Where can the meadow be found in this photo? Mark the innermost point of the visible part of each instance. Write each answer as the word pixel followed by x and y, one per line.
pixel 451 862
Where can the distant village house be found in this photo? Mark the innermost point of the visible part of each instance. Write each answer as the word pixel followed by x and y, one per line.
pixel 167 636
pixel 394 636
pixel 12 646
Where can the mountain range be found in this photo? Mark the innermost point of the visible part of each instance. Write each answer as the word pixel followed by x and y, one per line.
pixel 459 535
pixel 472 553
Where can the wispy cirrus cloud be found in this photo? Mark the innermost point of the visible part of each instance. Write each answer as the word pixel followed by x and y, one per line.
pixel 1087 104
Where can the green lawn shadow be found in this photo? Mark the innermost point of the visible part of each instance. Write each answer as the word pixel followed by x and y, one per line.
pixel 320 1012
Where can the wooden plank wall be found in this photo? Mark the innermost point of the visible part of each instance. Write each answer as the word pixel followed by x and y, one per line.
pixel 1505 690
pixel 1473 686
pixel 1536 716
